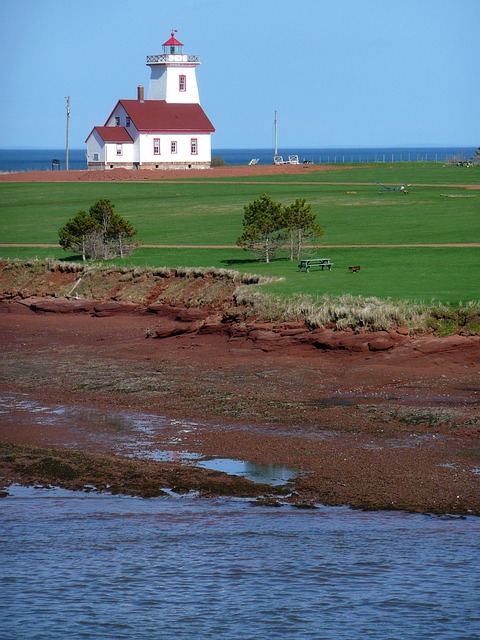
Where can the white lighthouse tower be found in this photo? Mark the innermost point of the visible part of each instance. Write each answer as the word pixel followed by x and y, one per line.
pixel 173 74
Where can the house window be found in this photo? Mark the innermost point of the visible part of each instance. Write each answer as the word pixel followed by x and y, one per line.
pixel 156 146
pixel 117 121
pixel 194 146
pixel 95 157
pixel 173 146
pixel 127 122
pixel 182 83
pixel 119 149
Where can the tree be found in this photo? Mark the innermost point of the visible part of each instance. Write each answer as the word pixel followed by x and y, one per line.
pixel 115 228
pixel 99 233
pixel 78 233
pixel 262 227
pixel 267 225
pixel 301 225
pixel 119 232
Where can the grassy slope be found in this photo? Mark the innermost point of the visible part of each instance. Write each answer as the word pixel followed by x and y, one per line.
pixel 211 212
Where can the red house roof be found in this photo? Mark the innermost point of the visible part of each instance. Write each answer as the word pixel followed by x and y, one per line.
pixel 158 115
pixel 117 135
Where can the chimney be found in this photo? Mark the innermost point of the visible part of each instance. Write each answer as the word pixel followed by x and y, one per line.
pixel 140 93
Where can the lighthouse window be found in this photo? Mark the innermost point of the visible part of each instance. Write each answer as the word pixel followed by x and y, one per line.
pixel 182 83
pixel 193 146
pixel 173 146
pixel 156 146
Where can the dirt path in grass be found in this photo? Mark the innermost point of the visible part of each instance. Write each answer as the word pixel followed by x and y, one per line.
pixel 233 246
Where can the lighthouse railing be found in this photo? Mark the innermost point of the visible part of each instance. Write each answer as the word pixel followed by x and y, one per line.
pixel 172 57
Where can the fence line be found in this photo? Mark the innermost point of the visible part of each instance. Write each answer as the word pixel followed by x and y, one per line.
pixel 381 158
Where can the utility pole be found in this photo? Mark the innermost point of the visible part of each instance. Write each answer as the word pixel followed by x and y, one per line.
pixel 275 149
pixel 68 122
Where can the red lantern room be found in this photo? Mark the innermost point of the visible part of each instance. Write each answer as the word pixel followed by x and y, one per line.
pixel 172 45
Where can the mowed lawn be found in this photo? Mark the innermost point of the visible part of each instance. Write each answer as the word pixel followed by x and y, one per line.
pixel 438 209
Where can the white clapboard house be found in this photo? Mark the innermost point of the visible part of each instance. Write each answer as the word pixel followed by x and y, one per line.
pixel 166 130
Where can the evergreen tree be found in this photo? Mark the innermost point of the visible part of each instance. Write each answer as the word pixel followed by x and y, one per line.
pixel 262 226
pixel 301 225
pixel 79 232
pixel 99 233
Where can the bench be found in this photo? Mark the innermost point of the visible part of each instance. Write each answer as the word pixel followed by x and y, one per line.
pixel 315 262
pixel 354 269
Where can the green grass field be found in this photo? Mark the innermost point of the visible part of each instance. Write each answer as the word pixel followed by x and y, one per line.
pixel 437 210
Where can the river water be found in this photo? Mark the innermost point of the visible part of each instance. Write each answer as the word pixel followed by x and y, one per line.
pixel 82 565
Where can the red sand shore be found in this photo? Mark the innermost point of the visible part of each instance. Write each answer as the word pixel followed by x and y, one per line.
pixel 115 175
pixel 154 175
pixel 396 428
pixel 391 429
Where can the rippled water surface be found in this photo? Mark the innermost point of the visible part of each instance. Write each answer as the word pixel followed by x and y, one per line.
pixel 79 565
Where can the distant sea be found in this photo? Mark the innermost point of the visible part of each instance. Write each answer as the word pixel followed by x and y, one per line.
pixel 42 159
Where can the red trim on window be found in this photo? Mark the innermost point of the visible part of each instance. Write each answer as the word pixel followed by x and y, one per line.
pixel 182 83
pixel 194 146
pixel 156 146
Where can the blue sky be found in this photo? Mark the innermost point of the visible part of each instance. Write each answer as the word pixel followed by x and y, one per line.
pixel 342 73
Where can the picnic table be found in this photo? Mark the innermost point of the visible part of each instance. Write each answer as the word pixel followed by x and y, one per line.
pixel 322 263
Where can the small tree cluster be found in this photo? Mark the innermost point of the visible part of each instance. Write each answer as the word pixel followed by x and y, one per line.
pixel 99 233
pixel 217 161
pixel 268 227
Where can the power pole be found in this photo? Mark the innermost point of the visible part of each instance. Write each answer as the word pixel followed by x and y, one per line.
pixel 68 122
pixel 275 146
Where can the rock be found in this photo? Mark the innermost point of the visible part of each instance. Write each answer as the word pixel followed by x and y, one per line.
pixel 170 328
pixel 290 326
pixel 213 328
pixel 164 310
pixel 262 334
pixel 190 315
pixel 180 314
pixel 329 339
pixel 111 308
pixel 62 305
pixel 383 341
pixel 433 345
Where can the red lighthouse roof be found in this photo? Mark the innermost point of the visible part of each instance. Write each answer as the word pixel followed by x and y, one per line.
pixel 172 41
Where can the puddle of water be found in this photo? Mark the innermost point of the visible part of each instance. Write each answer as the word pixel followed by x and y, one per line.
pixel 166 456
pixel 454 465
pixel 139 445
pixel 272 474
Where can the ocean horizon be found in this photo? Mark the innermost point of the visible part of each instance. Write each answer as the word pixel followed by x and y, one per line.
pixel 15 160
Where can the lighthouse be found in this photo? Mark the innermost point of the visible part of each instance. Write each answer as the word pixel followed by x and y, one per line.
pixel 167 130
pixel 173 77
